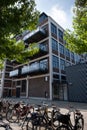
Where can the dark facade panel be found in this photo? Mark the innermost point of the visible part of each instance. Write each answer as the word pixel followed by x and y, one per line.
pixel 77 79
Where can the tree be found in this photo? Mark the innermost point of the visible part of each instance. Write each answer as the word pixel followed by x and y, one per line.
pixel 76 40
pixel 15 17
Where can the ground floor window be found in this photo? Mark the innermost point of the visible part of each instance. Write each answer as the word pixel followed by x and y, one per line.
pixel 23 86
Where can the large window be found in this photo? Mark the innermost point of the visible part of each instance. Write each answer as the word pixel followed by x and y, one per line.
pixel 60 35
pixel 62 64
pixel 54 45
pixel 53 29
pixel 55 61
pixel 67 53
pixel 61 48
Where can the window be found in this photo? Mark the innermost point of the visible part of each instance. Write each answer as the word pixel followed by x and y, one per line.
pixel 55 76
pixel 62 64
pixel 53 29
pixel 54 45
pixel 61 48
pixel 72 55
pixel 55 61
pixel 68 64
pixel 63 77
pixel 67 53
pixel 23 88
pixel 60 35
pixel 42 17
pixel 43 46
pixel 18 82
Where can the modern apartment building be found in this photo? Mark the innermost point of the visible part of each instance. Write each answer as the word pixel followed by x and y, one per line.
pixel 44 75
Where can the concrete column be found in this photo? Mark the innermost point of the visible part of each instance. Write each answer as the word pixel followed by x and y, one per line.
pixel 27 84
pixel 50 60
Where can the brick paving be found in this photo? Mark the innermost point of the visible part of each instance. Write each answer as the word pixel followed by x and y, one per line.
pixel 63 105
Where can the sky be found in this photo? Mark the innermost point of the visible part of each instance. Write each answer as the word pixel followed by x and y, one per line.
pixel 60 10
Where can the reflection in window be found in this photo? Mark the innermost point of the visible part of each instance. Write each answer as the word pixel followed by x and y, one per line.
pixel 61 48
pixel 60 35
pixel 55 61
pixel 67 53
pixel 42 17
pixel 62 64
pixel 53 29
pixel 44 64
pixel 43 47
pixel 54 45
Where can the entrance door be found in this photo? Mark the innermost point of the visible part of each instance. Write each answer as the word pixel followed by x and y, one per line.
pixel 9 93
pixel 55 91
pixel 18 92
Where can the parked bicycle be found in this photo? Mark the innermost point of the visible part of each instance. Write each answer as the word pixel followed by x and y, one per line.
pixel 43 118
pixel 17 112
pixel 3 125
pixel 66 123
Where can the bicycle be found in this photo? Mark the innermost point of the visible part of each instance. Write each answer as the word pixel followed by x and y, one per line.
pixel 17 112
pixel 4 126
pixel 42 118
pixel 66 123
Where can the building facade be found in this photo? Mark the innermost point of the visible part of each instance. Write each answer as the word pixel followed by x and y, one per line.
pixel 44 76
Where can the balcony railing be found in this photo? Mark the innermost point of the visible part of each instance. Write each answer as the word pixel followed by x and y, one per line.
pixel 14 73
pixel 35 36
pixel 30 69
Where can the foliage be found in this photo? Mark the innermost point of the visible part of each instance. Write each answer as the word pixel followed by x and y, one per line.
pixel 15 17
pixel 77 39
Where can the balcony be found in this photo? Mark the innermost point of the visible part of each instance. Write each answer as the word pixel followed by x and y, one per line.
pixel 42 50
pixel 35 36
pixel 33 69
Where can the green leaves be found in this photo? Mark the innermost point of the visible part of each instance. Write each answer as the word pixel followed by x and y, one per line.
pixel 15 17
pixel 77 40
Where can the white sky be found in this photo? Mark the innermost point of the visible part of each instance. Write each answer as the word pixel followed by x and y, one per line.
pixel 59 10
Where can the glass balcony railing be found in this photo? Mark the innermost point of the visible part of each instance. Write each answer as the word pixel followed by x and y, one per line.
pixel 14 73
pixel 30 69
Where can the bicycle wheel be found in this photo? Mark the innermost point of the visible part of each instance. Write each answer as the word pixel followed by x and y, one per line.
pixel 5 127
pixel 11 115
pixel 63 127
pixel 56 122
pixel 29 125
pixel 80 124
